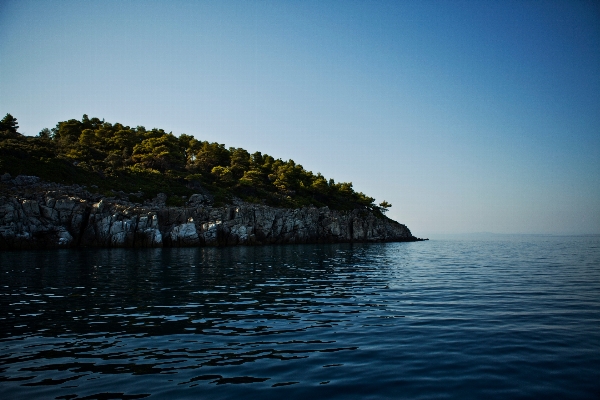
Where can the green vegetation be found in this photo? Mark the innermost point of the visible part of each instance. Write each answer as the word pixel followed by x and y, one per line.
pixel 384 206
pixel 115 157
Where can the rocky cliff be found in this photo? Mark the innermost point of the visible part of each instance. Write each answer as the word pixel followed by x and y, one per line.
pixel 35 214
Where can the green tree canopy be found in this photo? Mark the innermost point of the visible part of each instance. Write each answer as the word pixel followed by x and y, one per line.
pixel 9 125
pixel 116 154
pixel 384 206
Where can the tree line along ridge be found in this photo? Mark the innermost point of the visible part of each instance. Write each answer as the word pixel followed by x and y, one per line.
pixel 117 158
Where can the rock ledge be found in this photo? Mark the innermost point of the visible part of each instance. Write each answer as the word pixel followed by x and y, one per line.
pixel 36 215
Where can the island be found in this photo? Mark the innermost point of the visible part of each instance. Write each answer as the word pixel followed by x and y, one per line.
pixel 90 183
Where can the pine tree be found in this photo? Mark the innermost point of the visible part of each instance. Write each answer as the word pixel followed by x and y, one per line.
pixel 9 124
pixel 384 206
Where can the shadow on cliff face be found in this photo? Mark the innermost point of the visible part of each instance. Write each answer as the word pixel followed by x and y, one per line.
pixel 57 216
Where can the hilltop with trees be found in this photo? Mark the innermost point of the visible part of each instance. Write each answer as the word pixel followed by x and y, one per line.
pixel 142 162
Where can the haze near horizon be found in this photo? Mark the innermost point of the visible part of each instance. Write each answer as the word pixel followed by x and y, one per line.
pixel 466 116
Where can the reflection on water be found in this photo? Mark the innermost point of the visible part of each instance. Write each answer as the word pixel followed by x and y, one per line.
pixel 500 319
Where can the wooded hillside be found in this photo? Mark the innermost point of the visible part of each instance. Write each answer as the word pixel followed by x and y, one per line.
pixel 143 162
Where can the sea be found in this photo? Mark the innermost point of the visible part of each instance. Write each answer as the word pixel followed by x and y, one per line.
pixel 494 317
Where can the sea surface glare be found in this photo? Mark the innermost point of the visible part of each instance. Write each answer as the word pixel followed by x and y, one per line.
pixel 506 318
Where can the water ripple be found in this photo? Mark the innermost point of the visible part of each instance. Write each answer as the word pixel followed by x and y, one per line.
pixel 408 320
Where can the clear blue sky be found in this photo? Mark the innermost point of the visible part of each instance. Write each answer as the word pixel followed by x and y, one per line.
pixel 467 116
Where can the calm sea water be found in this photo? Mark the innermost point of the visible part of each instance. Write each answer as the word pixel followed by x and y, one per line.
pixel 517 317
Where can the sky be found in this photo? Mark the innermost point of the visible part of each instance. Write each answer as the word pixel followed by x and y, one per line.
pixel 467 116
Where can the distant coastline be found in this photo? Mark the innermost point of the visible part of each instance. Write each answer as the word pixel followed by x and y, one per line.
pixel 503 236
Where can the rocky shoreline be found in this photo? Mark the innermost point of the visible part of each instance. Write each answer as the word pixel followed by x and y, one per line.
pixel 39 215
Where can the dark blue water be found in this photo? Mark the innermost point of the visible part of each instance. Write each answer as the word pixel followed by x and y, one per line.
pixel 510 318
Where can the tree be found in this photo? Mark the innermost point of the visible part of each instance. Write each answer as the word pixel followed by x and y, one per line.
pixel 319 184
pixel 223 174
pixel 45 134
pixel 9 124
pixel 384 205
pixel 87 137
pixel 208 156
pixel 159 153
pixel 257 159
pixel 187 143
pixel 253 178
pixel 69 131
pixel 240 161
